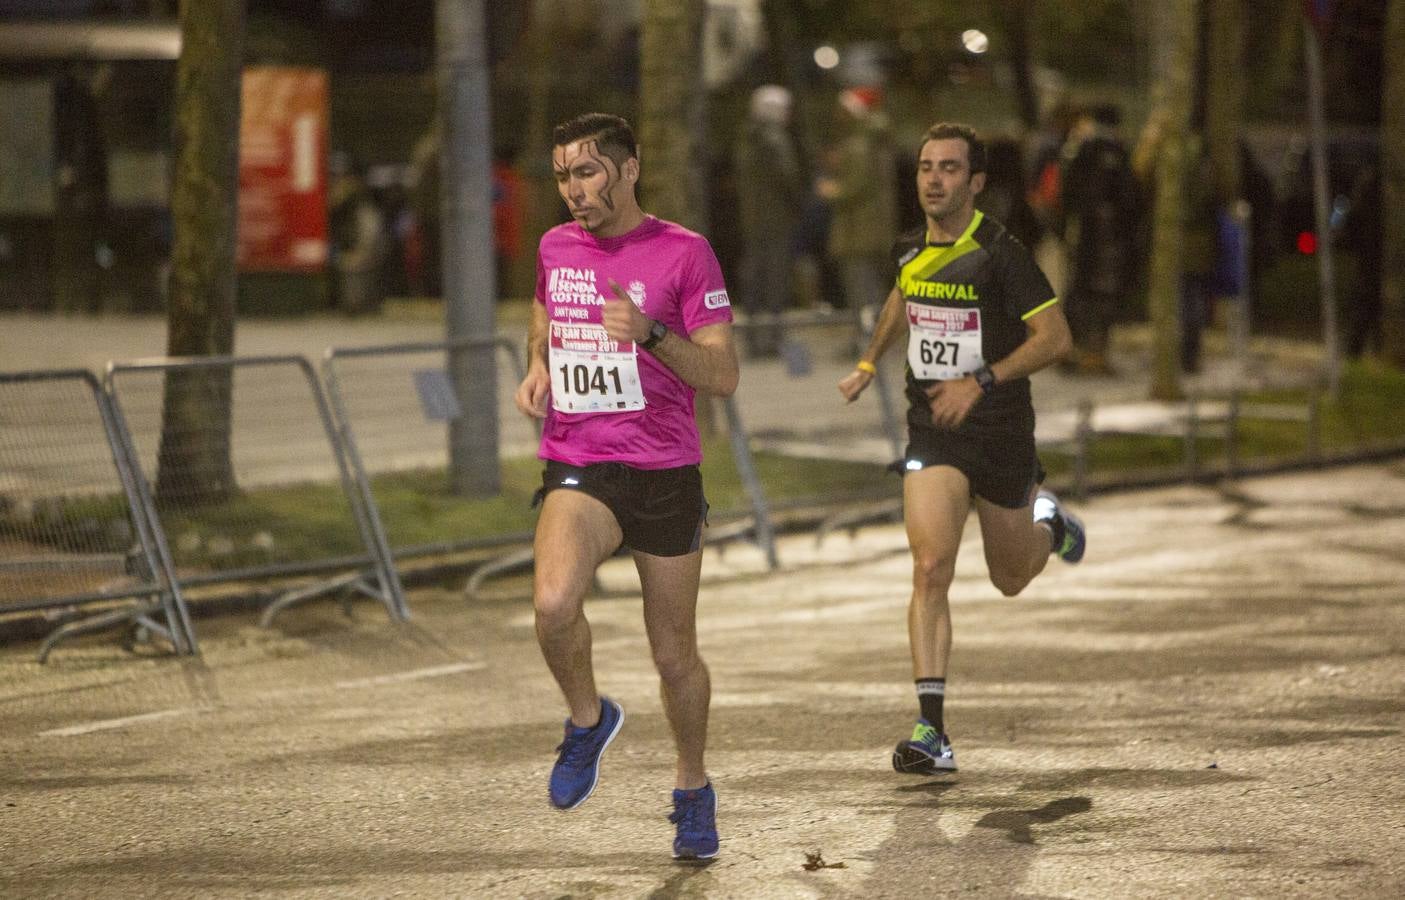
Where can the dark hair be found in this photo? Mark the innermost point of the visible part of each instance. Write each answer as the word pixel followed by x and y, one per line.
pixel 611 133
pixel 975 147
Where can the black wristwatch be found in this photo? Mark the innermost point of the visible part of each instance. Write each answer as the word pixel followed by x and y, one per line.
pixel 985 378
pixel 656 334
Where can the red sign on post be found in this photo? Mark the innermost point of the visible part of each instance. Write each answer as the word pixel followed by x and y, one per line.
pixel 282 170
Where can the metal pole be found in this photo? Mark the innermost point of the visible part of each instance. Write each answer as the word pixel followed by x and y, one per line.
pixel 470 295
pixel 1326 274
pixel 1240 325
pixel 746 468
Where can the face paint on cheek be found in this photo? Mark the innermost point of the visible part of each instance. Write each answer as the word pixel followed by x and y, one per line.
pixel 607 199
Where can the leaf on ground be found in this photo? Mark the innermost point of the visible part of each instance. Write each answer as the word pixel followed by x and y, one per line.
pixel 815 861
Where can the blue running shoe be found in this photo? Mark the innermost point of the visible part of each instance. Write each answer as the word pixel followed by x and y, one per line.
pixel 1068 528
pixel 578 763
pixel 927 752
pixel 695 814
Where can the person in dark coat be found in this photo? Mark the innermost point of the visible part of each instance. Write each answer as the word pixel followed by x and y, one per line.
pixel 770 194
pixel 1101 203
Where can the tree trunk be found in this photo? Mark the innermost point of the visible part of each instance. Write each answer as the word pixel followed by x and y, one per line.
pixel 1393 185
pixel 470 297
pixel 193 464
pixel 543 202
pixel 1174 67
pixel 671 131
pixel 1224 94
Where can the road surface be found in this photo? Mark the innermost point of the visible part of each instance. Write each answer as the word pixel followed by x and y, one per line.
pixel 1210 705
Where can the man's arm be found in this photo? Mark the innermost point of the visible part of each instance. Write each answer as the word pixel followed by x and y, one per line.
pixel 892 321
pixel 706 359
pixel 532 392
pixel 1048 340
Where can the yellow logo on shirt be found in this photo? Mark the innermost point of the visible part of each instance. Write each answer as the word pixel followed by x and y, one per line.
pixel 942 290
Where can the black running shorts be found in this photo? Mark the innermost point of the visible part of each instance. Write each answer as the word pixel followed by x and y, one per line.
pixel 1002 468
pixel 660 511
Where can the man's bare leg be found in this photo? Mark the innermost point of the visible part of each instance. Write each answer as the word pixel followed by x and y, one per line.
pixel 1016 547
pixel 670 617
pixel 575 533
pixel 936 502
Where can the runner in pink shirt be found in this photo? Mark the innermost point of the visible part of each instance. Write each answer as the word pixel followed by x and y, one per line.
pixel 611 403
pixel 631 318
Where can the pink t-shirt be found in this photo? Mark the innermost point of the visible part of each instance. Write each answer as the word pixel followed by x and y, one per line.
pixel 673 275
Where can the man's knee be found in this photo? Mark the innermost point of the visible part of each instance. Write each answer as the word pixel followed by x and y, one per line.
pixel 677 663
pixel 557 610
pixel 933 570
pixel 1010 582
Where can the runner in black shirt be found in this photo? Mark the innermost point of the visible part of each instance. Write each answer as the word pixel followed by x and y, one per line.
pixel 980 318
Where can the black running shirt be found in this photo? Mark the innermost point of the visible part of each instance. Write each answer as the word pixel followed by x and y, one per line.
pixel 966 305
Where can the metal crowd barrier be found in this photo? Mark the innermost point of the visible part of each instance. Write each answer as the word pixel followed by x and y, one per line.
pixel 247 479
pixel 1190 421
pixel 371 390
pixel 815 349
pixel 394 404
pixel 74 531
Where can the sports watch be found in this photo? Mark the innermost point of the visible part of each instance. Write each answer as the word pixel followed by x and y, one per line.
pixel 985 378
pixel 656 334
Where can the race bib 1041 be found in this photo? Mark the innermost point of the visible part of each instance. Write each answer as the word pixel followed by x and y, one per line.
pixel 591 371
pixel 943 343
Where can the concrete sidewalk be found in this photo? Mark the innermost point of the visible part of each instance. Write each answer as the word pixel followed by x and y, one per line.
pixel 781 404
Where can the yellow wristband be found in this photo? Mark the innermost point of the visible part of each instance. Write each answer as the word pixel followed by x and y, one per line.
pixel 864 365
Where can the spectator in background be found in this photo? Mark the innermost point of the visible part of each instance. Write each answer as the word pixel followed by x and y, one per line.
pixel 1199 252
pixel 394 203
pixel 1046 189
pixel 1361 234
pixel 1099 212
pixel 1005 196
pixel 816 275
pixel 770 193
pixel 862 197
pixel 1200 226
pixel 360 243
pixel 426 257
pixel 508 199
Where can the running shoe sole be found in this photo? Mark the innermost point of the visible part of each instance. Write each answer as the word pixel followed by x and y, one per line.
pixel 909 760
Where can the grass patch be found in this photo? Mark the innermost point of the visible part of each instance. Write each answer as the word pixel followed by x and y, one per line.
pixel 313 521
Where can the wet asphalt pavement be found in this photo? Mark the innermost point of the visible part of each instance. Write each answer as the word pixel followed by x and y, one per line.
pixel 1210 705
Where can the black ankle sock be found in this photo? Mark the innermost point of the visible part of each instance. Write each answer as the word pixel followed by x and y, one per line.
pixel 930 694
pixel 1056 532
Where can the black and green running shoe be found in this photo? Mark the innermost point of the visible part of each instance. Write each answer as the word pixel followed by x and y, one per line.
pixel 927 752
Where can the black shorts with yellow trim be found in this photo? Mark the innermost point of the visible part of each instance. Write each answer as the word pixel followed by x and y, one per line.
pixel 1002 467
pixel 661 512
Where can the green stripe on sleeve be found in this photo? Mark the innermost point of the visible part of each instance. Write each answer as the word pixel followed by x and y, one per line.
pixel 1038 309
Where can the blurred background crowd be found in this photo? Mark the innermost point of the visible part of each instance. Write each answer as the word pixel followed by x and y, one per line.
pixel 806 148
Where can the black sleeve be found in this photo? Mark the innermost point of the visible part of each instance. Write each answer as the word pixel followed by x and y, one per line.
pixel 1025 286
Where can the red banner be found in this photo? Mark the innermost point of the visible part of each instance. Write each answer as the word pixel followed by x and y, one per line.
pixel 283 171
